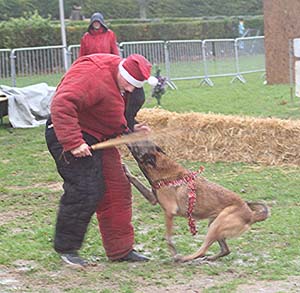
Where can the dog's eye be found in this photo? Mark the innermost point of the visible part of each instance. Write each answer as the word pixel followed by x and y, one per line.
pixel 149 159
pixel 145 158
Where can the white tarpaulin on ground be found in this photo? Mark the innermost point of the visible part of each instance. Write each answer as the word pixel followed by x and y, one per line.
pixel 28 106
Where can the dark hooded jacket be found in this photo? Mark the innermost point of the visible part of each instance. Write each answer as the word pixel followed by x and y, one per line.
pixel 98 41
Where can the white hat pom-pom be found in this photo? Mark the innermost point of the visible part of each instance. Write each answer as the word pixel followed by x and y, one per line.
pixel 152 80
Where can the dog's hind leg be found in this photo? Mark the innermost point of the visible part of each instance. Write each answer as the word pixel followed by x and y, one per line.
pixel 223 246
pixel 208 241
pixel 229 223
pixel 224 250
pixel 169 232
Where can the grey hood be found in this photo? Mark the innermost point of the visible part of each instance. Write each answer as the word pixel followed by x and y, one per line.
pixel 97 16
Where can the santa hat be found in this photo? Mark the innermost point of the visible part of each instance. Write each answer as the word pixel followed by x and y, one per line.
pixel 136 69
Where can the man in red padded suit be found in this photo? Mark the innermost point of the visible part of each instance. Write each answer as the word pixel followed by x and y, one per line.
pixel 99 38
pixel 89 106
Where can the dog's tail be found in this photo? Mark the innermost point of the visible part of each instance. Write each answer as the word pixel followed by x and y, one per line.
pixel 260 211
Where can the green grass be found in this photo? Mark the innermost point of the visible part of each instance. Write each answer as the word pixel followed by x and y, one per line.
pixel 50 79
pixel 269 251
pixel 180 69
pixel 251 99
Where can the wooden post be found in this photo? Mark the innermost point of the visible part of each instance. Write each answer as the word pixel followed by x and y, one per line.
pixel 281 23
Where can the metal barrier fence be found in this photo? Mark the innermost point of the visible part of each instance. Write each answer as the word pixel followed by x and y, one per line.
pixel 203 59
pixel 36 61
pixel 197 59
pixel 251 54
pixel 184 59
pixel 73 52
pixel 177 59
pixel 4 63
pixel 219 58
pixel 154 51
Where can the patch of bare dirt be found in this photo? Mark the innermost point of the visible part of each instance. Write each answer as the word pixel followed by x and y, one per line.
pixel 292 284
pixel 201 282
pixel 9 216
pixel 53 186
pixel 9 281
pixel 197 285
pixel 17 280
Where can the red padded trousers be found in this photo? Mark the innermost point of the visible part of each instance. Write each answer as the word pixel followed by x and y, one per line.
pixel 114 212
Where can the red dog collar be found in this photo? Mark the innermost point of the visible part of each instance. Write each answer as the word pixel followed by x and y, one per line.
pixel 188 179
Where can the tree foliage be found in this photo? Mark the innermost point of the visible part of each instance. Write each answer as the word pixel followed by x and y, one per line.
pixel 133 8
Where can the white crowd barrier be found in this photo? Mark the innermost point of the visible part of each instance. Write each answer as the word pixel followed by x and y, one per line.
pixel 176 59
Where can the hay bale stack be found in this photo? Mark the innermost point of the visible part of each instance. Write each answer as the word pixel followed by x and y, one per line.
pixel 212 137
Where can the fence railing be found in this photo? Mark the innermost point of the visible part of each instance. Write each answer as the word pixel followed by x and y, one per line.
pixel 177 59
pixel 184 59
pixel 203 59
pixel 5 63
pixel 36 61
pixel 73 52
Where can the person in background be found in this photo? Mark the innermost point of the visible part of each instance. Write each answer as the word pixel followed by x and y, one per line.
pixel 241 29
pixel 88 107
pixel 99 38
pixel 76 12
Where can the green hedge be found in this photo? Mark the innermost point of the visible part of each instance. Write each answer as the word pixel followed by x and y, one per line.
pixel 37 31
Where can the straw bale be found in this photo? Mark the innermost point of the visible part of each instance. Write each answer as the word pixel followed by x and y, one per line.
pixel 213 137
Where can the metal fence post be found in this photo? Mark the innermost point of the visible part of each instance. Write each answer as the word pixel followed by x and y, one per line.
pixel 206 79
pixel 171 84
pixel 121 50
pixel 237 65
pixel 13 67
pixel 69 57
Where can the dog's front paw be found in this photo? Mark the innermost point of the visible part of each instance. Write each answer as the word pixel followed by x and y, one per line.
pixel 177 258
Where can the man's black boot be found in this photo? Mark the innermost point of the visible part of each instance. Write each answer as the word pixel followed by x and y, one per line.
pixel 133 256
pixel 73 260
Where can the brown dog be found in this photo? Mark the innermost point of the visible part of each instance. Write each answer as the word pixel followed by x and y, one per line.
pixel 228 215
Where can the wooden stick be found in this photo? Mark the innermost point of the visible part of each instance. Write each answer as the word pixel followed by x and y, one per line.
pixel 125 139
pixel 143 189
